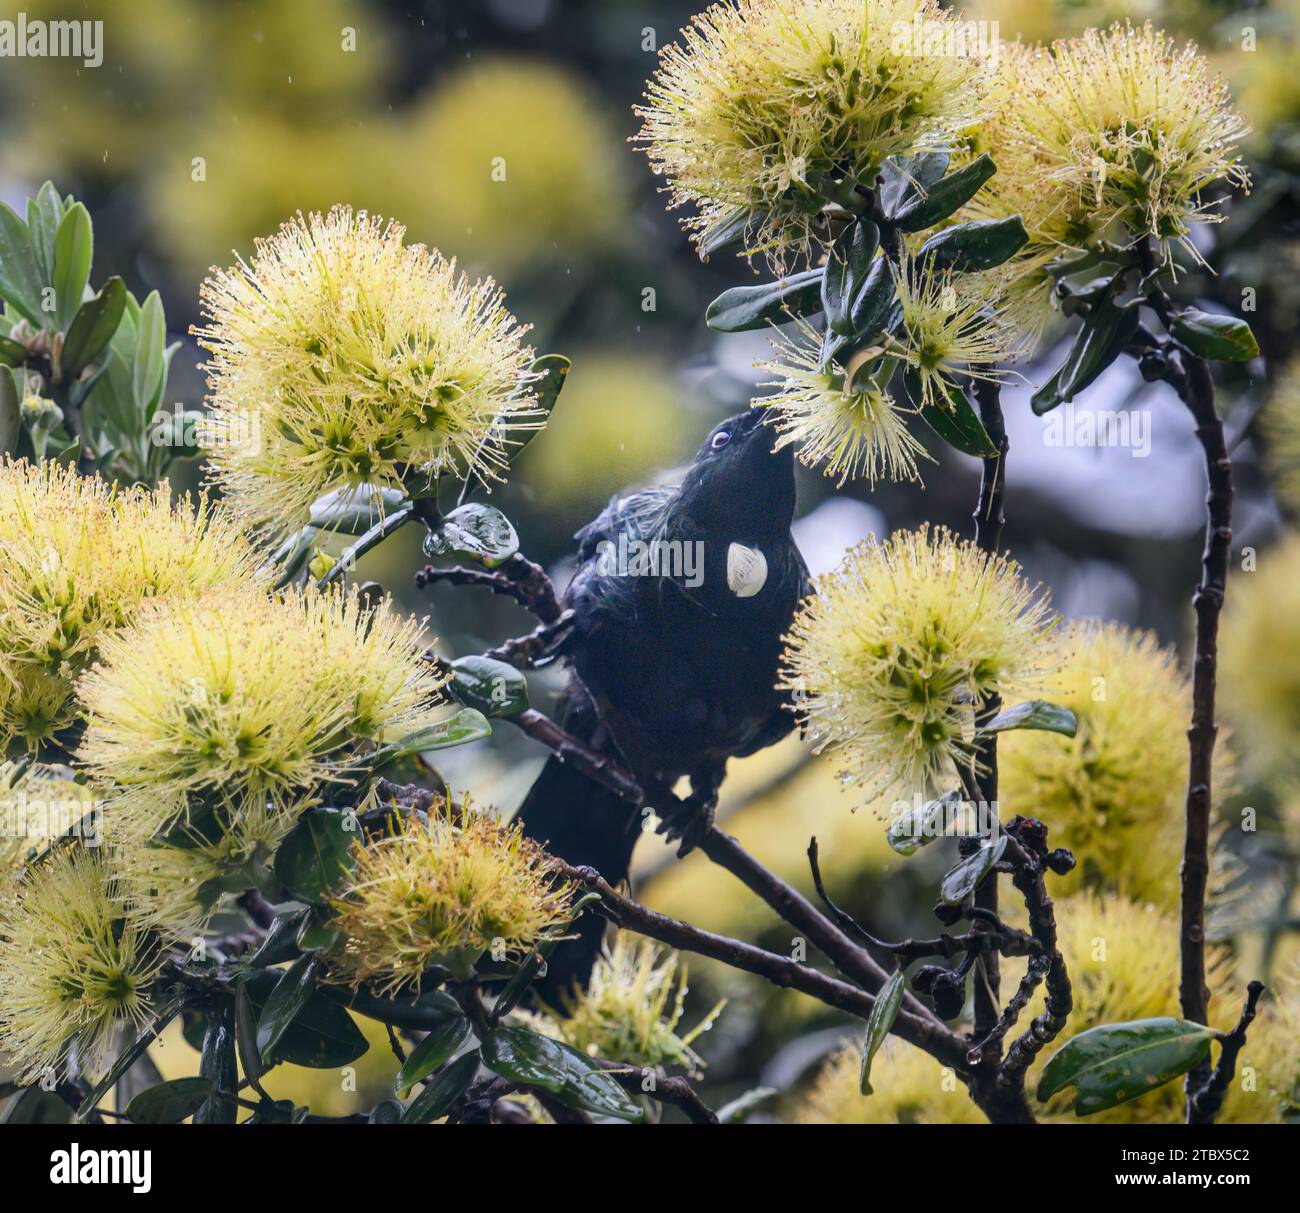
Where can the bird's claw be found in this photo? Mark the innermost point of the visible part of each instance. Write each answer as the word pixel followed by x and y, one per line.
pixel 689 822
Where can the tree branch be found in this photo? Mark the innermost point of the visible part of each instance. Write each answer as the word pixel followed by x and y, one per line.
pixel 1204 1105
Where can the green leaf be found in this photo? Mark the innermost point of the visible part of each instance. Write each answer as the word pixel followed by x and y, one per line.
pixel 169 1103
pixel 93 328
pixel 128 1057
pixel 280 943
pixel 1225 338
pixel 722 235
pixel 11 416
pixel 871 305
pixel 73 250
pixel 317 936
pixel 387 1113
pixel 492 687
pixel 292 992
pixel 959 425
pixel 1113 1063
pixel 571 1076
pixel 432 1052
pixel 979 245
pixel 246 1031
pixel 945 196
pixel 354 510
pixel 1034 714
pixel 465 726
pixel 963 879
pixel 905 180
pixel 148 370
pixel 21 280
pixel 217 1064
pixel 322 1036
pixel 479 532
pixel 44 214
pixel 34 1106
pixel 316 855
pixel 754 307
pixel 12 352
pixel 436 1099
pixel 425 1013
pixel 915 828
pixel 883 1013
pixel 554 370
pixel 1106 330
pixel 847 267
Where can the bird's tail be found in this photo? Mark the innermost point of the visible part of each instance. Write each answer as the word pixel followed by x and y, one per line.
pixel 587 826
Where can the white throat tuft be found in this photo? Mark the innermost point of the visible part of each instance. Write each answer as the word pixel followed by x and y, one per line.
pixel 746 570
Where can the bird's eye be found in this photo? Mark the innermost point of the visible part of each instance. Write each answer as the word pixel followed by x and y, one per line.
pixel 720 439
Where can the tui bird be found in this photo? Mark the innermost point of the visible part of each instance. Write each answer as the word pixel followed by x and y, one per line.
pixel 680 601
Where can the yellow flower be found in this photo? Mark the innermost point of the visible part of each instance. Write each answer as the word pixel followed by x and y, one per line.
pixel 908 1088
pixel 1113 793
pixel 77 559
pixel 1116 130
pixel 1258 684
pixel 769 110
pixel 624 1013
pixel 443 891
pixel 951 323
pixel 69 964
pixel 342 357
pixel 222 718
pixel 841 419
pixel 886 659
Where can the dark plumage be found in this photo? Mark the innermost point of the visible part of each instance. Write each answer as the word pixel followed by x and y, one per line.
pixel 673 671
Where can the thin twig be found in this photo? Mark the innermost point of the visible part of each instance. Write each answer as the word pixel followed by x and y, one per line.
pixel 1204 1105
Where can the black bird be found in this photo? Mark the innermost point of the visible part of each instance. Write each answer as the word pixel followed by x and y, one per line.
pixel 680 600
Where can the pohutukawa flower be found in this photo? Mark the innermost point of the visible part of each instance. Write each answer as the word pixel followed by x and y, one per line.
pixel 842 420
pixel 887 660
pixel 630 1009
pixel 952 323
pixel 342 356
pixel 1112 793
pixel 77 559
pixel 1120 130
pixel 70 965
pixel 39 804
pixel 768 111
pixel 442 890
pixel 221 718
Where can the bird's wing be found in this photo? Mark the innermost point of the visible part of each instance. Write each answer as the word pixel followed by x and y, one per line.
pixel 636 515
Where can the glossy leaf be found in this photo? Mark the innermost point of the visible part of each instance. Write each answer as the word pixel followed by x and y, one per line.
pixel 962 880
pixel 354 510
pixel 945 196
pixel 1225 338
pixel 11 417
pixel 1106 330
pixel 149 370
pixel 92 328
pixel 883 1013
pixel 571 1076
pixel 958 424
pixel 1114 1063
pixel 734 1112
pixel 292 992
pixel 971 247
pixel 432 1052
pixel 322 1035
pixel 724 235
pixel 217 1063
pixel 169 1103
pixel 436 1100
pixel 492 687
pixel 73 252
pixel 754 307
pixel 465 726
pixel 44 214
pixel 905 180
pixel 387 1113
pixel 35 1106
pixel 871 305
pixel 479 532
pixel 919 826
pixel 847 267
pixel 316 855
pixel 281 940
pixel 21 280
pixel 426 1013
pixel 1034 714
pixel 127 1058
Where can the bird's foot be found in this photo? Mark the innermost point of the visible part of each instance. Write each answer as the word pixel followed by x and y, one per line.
pixel 689 820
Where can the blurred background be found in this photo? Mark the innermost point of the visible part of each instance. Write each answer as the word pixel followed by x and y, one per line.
pixel 209 123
